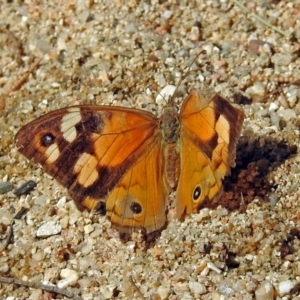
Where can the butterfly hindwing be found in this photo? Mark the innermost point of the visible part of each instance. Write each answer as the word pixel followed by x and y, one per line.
pixel 139 201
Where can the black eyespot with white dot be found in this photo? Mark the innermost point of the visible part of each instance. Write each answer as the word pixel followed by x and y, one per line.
pixel 136 208
pixel 197 193
pixel 47 139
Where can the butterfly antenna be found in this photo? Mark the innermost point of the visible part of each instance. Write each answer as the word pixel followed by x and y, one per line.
pixel 183 76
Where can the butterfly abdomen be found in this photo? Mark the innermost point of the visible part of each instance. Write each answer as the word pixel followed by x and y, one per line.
pixel 172 165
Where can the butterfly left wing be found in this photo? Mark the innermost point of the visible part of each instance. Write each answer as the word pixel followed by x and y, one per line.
pixel 209 132
pixel 100 154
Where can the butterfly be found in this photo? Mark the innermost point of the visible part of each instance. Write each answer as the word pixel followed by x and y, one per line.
pixel 123 163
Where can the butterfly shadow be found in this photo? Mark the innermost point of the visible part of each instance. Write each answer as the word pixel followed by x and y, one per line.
pixel 255 159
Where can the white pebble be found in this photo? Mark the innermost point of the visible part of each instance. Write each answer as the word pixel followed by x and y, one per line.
pixel 55 84
pixel 61 202
pixel 74 216
pixel 195 34
pixel 225 289
pixel 170 61
pixel 211 266
pixel 39 255
pixel 204 214
pixel 65 273
pixel 3 267
pixel 167 14
pixel 88 229
pixel 48 229
pixel 62 284
pixel 284 287
pixel 273 106
pixel 69 277
pixel 166 93
pixel 249 257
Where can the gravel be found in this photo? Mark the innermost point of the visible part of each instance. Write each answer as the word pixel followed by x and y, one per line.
pixel 124 53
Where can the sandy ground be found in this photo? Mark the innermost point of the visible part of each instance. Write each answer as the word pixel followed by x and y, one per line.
pixel 122 53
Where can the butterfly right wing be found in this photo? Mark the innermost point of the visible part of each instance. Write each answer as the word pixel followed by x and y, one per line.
pixel 210 129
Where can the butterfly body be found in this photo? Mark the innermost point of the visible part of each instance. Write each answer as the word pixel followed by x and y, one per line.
pixel 124 162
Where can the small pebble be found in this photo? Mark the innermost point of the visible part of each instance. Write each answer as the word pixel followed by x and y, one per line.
pixel 284 287
pixel 212 266
pixel 25 188
pixel 225 289
pixel 265 291
pixel 84 263
pixel 195 34
pixel 166 93
pixel 130 28
pixel 163 292
pixel 51 274
pixel 70 277
pixel 282 59
pixel 88 229
pixel 65 273
pixel 48 229
pixel 254 45
pixel 87 248
pixel 273 106
pixel 5 187
pixel 5 216
pixel 287 114
pixel 167 14
pixel 257 90
pixel 55 85
pixel 107 291
pixel 197 287
pixel 61 202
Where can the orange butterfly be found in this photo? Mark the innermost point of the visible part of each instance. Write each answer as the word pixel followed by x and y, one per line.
pixel 123 162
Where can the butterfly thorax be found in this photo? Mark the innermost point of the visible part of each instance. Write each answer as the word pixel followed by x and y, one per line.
pixel 170 125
